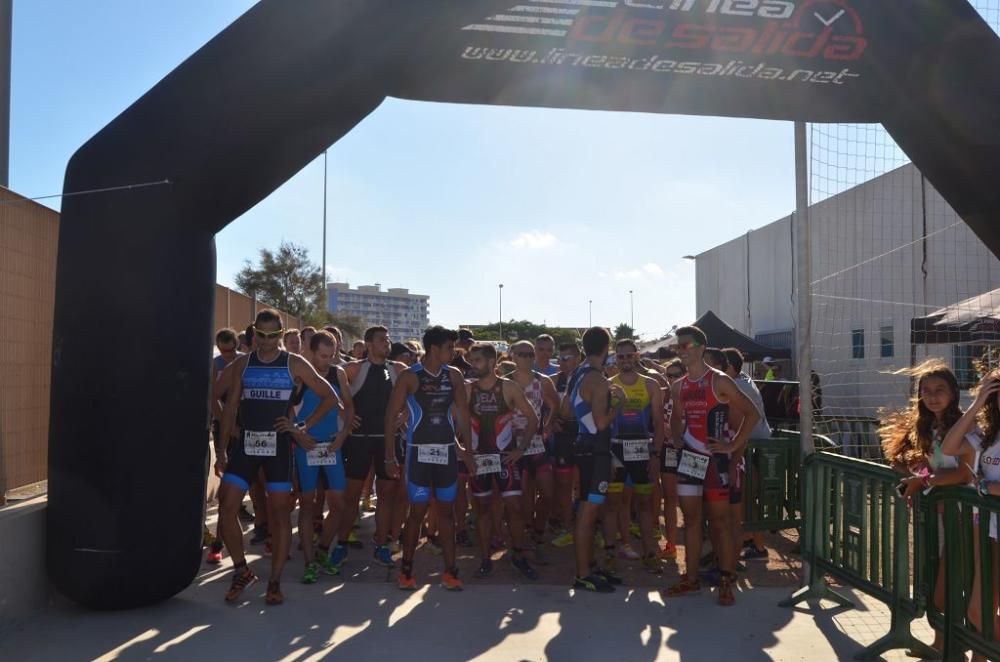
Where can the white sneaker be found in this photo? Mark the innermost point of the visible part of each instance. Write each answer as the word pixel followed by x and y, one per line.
pixel 626 552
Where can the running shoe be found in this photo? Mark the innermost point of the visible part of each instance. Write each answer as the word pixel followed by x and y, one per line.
pixel 311 575
pixel 274 596
pixel 462 539
pixel 383 556
pixel 323 561
pixel 652 564
pixel 485 569
pixel 524 567
pixel 684 587
pixel 337 555
pixel 563 540
pixel 609 576
pixel 259 534
pixel 754 553
pixel 451 581
pixel 406 582
pixel 669 552
pixel 214 556
pixel 241 581
pixel 593 583
pixel 245 515
pixel 726 596
pixel 354 542
pixel 628 553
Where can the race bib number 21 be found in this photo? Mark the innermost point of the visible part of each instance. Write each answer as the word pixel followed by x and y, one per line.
pixel 433 454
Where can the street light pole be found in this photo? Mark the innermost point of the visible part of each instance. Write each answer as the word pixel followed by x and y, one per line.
pixel 324 219
pixel 501 312
pixel 590 313
pixel 631 295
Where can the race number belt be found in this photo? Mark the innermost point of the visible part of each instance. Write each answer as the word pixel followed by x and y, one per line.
pixel 693 464
pixel 537 446
pixel 488 463
pixel 321 456
pixel 260 444
pixel 670 457
pixel 433 453
pixel 634 450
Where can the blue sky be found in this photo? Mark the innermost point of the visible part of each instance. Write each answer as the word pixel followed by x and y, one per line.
pixel 561 207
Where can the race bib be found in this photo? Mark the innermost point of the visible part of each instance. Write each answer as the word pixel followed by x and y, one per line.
pixel 635 450
pixel 433 453
pixel 488 464
pixel 537 446
pixel 321 456
pixel 693 464
pixel 260 444
pixel 670 457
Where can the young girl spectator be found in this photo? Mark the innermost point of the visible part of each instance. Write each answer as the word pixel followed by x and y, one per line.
pixel 912 441
pixel 965 439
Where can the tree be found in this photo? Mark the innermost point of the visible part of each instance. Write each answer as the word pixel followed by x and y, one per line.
pixel 351 326
pixel 525 330
pixel 623 331
pixel 287 280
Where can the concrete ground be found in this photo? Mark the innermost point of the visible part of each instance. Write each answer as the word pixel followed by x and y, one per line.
pixel 361 615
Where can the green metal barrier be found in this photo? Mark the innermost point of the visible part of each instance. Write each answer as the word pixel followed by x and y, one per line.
pixel 857 530
pixel 955 507
pixel 857 437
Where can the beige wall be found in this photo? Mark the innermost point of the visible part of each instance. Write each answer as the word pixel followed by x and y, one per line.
pixel 29 235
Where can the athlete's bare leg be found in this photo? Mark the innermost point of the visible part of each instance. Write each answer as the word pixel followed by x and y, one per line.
pixel 625 516
pixel 484 525
pixel 644 506
pixel 691 508
pixel 384 509
pixel 446 532
pixel 515 521
pixel 586 520
pixel 564 498
pixel 331 524
pixel 230 498
pixel 543 506
pixel 670 505
pixel 722 534
pixel 461 502
pixel 280 530
pixel 352 496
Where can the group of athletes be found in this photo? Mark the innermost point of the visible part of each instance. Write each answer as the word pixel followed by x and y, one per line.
pixel 549 442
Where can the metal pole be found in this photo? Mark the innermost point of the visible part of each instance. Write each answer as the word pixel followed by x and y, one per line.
pixel 590 312
pixel 501 312
pixel 632 310
pixel 6 36
pixel 324 221
pixel 803 289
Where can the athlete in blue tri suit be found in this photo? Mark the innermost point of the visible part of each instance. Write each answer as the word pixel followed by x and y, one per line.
pixel 590 397
pixel 326 461
pixel 545 348
pixel 259 397
pixel 434 393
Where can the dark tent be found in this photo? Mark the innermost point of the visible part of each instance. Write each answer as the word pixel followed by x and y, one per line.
pixel 973 320
pixel 722 335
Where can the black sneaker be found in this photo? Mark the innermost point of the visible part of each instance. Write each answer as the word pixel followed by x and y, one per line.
pixel 462 539
pixel 245 515
pixel 609 577
pixel 594 583
pixel 524 568
pixel 260 535
pixel 485 569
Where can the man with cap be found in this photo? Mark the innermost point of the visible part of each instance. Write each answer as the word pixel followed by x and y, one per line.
pixel 403 354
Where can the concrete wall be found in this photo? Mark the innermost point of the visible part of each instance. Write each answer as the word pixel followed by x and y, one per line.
pixel 871 269
pixel 25 587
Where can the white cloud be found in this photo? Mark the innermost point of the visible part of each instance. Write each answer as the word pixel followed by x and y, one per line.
pixel 535 240
pixel 653 269
pixel 630 274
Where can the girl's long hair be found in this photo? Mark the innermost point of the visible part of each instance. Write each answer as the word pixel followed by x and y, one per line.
pixel 989 417
pixel 907 434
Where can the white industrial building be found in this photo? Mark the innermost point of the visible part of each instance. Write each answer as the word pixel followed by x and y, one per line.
pixel 883 253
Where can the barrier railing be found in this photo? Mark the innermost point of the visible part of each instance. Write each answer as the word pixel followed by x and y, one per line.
pixel 967 547
pixel 857 530
pixel 854 437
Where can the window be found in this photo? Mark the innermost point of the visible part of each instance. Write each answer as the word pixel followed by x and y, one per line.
pixel 963 363
pixel 886 340
pixel 858 344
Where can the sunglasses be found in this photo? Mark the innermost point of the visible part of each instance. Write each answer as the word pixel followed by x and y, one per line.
pixel 563 359
pixel 684 345
pixel 268 335
pixel 525 355
pixel 626 357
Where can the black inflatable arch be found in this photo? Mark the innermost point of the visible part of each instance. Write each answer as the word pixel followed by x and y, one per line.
pixel 134 301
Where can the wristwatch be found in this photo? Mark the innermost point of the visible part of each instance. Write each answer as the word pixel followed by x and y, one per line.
pixel 984 487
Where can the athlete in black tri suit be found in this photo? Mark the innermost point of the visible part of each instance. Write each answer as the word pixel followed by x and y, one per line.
pixel 227 343
pixel 435 395
pixel 372 381
pixel 260 399
pixel 493 403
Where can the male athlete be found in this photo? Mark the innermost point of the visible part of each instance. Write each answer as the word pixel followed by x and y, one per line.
pixel 564 439
pixel 702 400
pixel 493 403
pixel 371 381
pixel 636 443
pixel 435 395
pixel 325 462
pixel 536 465
pixel 674 371
pixel 259 396
pixel 292 341
pixel 545 347
pixel 590 397
pixel 227 343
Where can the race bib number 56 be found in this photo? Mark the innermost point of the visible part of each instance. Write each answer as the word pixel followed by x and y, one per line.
pixel 260 444
pixel 693 464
